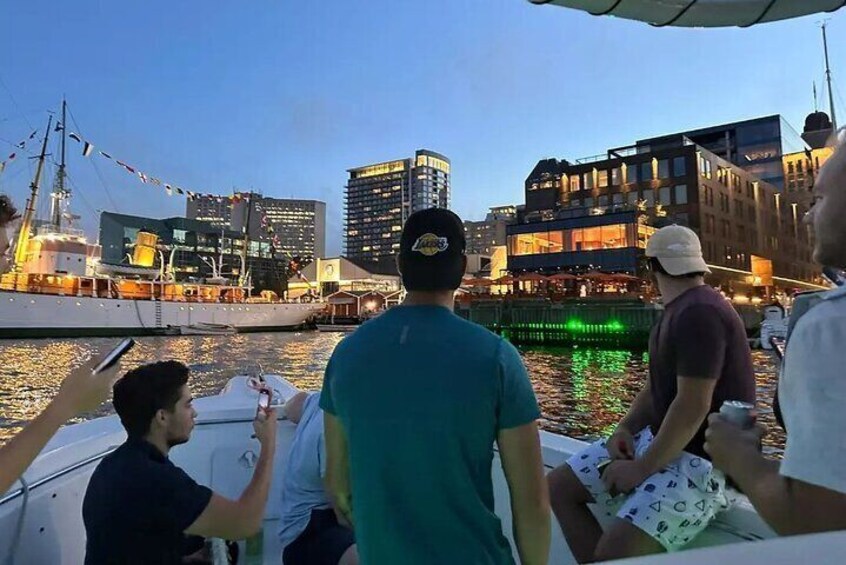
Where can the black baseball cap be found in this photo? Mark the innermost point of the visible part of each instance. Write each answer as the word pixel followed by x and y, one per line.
pixel 432 250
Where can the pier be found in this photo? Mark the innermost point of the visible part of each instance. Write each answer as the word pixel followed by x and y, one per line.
pixel 601 323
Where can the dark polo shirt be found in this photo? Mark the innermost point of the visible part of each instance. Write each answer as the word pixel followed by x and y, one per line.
pixel 699 336
pixel 137 506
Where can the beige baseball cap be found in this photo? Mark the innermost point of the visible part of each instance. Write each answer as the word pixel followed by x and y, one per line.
pixel 678 250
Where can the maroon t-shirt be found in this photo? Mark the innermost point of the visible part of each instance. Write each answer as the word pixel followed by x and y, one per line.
pixel 699 336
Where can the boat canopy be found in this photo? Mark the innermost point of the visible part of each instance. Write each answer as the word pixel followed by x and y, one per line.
pixel 701 13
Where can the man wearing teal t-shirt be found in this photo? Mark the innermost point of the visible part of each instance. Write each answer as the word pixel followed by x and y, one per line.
pixel 414 401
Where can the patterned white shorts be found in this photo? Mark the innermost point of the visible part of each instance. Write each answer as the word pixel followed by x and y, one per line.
pixel 673 506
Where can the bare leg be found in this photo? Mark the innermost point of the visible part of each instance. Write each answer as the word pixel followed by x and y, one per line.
pixel 569 499
pixel 350 556
pixel 624 539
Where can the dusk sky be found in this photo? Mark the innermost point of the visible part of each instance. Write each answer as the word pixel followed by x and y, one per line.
pixel 283 97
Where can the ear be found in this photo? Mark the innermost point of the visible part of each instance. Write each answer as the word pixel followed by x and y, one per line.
pixel 161 417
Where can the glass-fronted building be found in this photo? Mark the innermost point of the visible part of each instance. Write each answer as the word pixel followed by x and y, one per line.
pixel 757 146
pixel 380 197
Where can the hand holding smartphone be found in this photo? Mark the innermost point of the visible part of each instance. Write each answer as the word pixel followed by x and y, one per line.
pixel 114 355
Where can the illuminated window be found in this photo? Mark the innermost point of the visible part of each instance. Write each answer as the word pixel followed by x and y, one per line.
pixel 574 183
pixel 602 179
pixel 587 181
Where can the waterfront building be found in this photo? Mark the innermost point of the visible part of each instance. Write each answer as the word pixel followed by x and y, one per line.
pixel 379 197
pixel 191 245
pixel 597 214
pixel 801 167
pixel 484 236
pixel 299 224
pixel 757 146
pixel 325 277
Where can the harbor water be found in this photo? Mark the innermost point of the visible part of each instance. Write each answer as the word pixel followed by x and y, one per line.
pixel 583 391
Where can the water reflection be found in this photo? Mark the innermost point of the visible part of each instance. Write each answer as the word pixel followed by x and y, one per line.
pixel 582 392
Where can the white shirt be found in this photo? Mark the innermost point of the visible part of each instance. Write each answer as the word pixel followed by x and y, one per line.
pixel 812 392
pixel 302 487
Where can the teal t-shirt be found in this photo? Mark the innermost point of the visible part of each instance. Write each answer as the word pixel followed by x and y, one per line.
pixel 421 394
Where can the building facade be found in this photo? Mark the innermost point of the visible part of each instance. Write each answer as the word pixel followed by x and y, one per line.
pixel 379 198
pixel 597 214
pixel 482 237
pixel 299 224
pixel 757 146
pixel 188 242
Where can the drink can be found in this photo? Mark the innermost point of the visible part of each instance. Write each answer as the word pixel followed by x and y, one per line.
pixel 739 413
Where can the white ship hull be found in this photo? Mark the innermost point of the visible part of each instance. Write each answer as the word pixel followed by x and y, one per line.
pixel 25 314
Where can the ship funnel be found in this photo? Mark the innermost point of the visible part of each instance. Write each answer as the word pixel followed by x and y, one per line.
pixel 144 253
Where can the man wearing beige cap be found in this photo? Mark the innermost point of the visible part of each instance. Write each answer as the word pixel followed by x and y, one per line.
pixel 653 474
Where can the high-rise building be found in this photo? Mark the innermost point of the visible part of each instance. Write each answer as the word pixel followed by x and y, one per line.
pixel 381 196
pixel 482 237
pixel 756 146
pixel 299 224
pixel 597 214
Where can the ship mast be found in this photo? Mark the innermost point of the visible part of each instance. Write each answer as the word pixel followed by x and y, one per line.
pixel 59 192
pixel 29 213
pixel 243 276
pixel 828 79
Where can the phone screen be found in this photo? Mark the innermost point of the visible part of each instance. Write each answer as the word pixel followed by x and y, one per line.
pixel 264 399
pixel 115 354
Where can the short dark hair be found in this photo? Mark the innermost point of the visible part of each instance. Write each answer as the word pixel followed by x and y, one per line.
pixel 656 267
pixel 144 391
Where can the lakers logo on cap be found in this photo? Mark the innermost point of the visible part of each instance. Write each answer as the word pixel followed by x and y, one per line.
pixel 430 244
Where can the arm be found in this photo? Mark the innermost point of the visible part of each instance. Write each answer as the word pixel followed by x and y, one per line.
pixel 239 519
pixel 337 480
pixel 685 416
pixel 640 412
pixel 80 392
pixel 789 506
pixel 520 451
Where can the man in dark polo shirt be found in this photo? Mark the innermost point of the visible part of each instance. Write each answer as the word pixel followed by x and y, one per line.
pixel 139 505
pixel 653 473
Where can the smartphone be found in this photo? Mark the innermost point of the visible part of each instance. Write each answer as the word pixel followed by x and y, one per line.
pixel 114 355
pixel 265 396
pixel 602 465
pixel 778 344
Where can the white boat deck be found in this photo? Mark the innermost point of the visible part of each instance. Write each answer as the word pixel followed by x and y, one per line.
pixel 42 522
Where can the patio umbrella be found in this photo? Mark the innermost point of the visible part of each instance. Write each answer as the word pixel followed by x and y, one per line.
pixel 476 282
pixel 597 275
pixel 700 13
pixel 563 277
pixel 622 277
pixel 532 277
pixel 507 279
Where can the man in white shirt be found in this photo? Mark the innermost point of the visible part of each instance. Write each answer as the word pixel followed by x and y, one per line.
pixel 806 492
